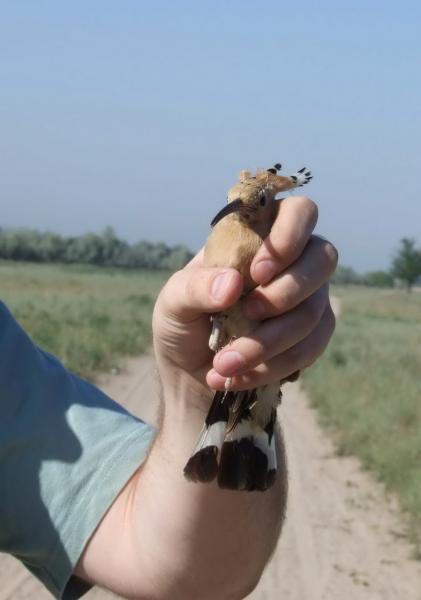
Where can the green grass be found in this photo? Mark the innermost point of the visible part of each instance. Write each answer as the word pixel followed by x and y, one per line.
pixel 86 316
pixel 367 388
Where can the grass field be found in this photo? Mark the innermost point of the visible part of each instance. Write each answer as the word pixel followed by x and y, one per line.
pixel 86 316
pixel 367 389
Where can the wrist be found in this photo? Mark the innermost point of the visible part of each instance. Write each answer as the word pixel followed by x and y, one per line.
pixel 182 390
pixel 185 406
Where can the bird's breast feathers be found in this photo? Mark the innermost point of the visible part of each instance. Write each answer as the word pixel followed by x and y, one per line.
pixel 232 245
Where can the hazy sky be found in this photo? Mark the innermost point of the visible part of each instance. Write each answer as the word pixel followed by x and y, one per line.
pixel 140 114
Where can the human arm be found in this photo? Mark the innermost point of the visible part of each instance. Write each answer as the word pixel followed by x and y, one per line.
pixel 165 537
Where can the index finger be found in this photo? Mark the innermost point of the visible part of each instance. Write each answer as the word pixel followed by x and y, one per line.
pixel 293 226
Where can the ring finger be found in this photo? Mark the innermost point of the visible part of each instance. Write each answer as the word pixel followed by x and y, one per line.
pixel 272 337
pixel 298 357
pixel 295 284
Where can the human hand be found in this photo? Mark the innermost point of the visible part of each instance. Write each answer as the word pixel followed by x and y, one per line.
pixel 291 269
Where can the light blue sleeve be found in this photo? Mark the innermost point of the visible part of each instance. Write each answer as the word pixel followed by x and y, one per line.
pixel 66 451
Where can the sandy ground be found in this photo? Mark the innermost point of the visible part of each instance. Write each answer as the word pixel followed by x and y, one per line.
pixel 342 538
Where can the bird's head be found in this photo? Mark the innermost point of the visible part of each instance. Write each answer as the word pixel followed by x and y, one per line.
pixel 253 196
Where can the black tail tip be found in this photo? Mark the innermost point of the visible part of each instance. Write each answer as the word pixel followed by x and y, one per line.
pixel 243 466
pixel 203 465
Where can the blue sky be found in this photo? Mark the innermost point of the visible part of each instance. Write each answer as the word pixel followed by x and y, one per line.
pixel 139 115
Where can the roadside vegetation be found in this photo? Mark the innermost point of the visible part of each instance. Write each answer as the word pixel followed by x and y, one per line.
pixel 86 316
pixel 367 389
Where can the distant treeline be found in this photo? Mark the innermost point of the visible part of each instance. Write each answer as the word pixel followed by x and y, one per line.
pixel 404 271
pixel 347 275
pixel 91 248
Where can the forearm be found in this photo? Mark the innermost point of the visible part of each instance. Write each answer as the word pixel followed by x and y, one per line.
pixel 200 541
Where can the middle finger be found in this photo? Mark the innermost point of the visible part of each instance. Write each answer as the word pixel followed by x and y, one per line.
pixel 272 337
pixel 298 282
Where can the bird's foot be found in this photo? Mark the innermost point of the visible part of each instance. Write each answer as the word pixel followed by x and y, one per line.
pixel 228 384
pixel 217 335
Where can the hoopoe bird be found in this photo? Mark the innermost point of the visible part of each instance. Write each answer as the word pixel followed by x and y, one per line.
pixel 237 443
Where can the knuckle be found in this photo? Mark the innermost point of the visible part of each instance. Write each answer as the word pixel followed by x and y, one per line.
pixel 189 287
pixel 196 283
pixel 312 308
pixel 305 353
pixel 283 301
pixel 332 255
pixel 326 253
pixel 162 299
pixel 331 320
pixel 280 248
pixel 309 207
pixel 286 292
pixel 169 291
pixel 324 333
pixel 177 293
pixel 292 360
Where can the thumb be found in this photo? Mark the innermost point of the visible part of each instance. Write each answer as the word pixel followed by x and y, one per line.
pixel 196 290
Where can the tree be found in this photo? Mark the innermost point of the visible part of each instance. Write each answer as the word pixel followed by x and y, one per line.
pixel 381 279
pixel 90 248
pixel 178 257
pixel 406 264
pixel 345 275
pixel 51 247
pixel 113 247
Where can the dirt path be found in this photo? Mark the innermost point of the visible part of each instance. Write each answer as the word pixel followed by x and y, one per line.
pixel 342 539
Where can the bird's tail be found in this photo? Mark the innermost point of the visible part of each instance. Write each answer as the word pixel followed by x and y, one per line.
pixel 237 443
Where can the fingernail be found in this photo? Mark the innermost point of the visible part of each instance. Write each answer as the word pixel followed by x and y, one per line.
pixel 220 285
pixel 253 308
pixel 264 271
pixel 229 362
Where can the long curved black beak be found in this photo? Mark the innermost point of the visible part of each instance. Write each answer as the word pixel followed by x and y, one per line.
pixel 234 206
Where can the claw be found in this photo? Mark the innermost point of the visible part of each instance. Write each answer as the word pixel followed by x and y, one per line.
pixel 228 383
pixel 302 170
pixel 217 334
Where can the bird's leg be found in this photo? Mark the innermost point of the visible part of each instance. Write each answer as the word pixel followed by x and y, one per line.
pixel 228 381
pixel 217 334
pixel 228 384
